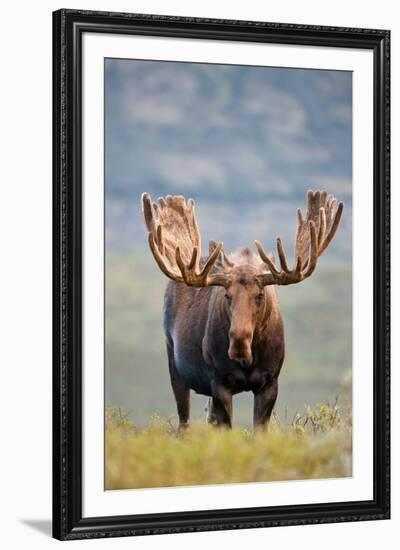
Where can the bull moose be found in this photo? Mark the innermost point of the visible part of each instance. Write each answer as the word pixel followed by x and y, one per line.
pixel 222 320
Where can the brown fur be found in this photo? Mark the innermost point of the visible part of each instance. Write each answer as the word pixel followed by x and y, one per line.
pixel 221 346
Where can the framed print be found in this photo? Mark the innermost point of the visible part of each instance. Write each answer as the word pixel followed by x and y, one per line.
pixel 221 274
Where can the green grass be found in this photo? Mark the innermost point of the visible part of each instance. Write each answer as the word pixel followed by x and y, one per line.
pixel 315 444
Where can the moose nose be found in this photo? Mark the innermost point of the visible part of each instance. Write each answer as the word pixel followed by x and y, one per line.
pixel 240 347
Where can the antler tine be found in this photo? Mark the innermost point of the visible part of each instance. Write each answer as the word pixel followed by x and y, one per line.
pixel 190 275
pixel 313 254
pixel 332 230
pixel 271 265
pixel 281 254
pixel 148 212
pixel 160 240
pixel 284 275
pixel 211 261
pixel 313 237
pixel 194 259
pixel 322 226
pixel 160 259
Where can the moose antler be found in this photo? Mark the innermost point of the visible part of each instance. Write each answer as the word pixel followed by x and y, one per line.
pixel 175 242
pixel 312 238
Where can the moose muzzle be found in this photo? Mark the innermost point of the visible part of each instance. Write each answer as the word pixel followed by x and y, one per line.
pixel 240 347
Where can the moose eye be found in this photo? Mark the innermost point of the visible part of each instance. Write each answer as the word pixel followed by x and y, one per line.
pixel 228 297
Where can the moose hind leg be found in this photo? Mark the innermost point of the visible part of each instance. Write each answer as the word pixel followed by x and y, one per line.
pixel 181 393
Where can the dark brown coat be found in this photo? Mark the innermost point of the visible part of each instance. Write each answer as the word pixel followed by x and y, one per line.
pixel 225 341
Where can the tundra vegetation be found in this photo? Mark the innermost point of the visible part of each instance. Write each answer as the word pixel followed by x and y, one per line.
pixel 315 443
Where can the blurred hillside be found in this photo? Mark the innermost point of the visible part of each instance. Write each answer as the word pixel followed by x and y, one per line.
pixel 246 143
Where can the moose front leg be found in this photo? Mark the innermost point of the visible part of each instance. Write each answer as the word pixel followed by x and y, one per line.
pixel 210 412
pixel 264 402
pixel 181 392
pixel 221 406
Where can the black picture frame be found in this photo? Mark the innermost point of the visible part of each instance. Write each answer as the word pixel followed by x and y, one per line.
pixel 68 27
